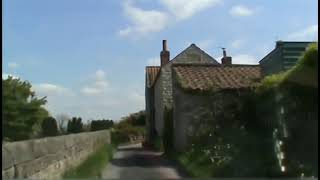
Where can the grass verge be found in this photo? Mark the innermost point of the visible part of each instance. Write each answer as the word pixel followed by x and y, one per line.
pixel 194 166
pixel 94 164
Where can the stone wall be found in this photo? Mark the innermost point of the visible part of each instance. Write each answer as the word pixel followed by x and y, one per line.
pixel 163 96
pixel 163 85
pixel 158 104
pixel 49 158
pixel 194 54
pixel 190 109
pixel 186 108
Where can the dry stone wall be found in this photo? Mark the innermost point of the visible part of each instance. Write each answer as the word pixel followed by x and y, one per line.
pixel 49 158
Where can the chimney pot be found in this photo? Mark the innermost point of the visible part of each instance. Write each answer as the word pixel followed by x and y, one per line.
pixel 164 45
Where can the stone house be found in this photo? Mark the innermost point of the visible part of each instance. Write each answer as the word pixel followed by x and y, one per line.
pixel 158 89
pixel 175 85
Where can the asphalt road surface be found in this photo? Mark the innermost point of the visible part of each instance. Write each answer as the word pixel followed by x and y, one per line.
pixel 134 162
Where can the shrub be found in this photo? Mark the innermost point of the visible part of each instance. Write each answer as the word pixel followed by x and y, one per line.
pixel 97 125
pixel 119 137
pixel 134 119
pixel 49 127
pixel 75 125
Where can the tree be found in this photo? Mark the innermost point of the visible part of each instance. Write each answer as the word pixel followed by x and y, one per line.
pixel 97 125
pixel 49 127
pixel 22 110
pixel 135 119
pixel 75 125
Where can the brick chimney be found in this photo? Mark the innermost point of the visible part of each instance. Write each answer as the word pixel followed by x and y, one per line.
pixel 165 54
pixel 226 60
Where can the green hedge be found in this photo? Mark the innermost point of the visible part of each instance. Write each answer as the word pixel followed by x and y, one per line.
pixel 238 140
pixel 296 93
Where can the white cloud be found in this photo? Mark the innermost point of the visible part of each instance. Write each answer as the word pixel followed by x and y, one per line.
pixel 91 91
pixel 241 10
pixel 244 59
pixel 309 33
pixel 237 43
pixel 46 89
pixel 183 9
pixel 154 61
pixel 98 85
pixel 143 21
pixel 99 74
pixel 13 65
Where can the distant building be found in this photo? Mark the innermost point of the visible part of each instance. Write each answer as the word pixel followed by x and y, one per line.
pixel 283 57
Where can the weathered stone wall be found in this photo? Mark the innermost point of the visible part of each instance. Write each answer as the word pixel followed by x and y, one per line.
pixel 49 158
pixel 158 103
pixel 191 108
pixel 163 85
pixel 163 96
pixel 186 107
pixel 194 54
pixel 148 112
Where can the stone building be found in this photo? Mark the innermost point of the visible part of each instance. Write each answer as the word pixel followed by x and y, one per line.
pixel 283 56
pixel 158 89
pixel 176 82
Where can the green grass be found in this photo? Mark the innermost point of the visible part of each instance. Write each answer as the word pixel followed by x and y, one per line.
pixel 94 164
pixel 194 166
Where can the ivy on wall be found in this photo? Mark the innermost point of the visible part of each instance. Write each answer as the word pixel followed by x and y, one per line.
pixel 290 100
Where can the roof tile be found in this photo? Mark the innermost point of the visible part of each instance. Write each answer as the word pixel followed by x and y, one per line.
pixel 206 77
pixel 152 72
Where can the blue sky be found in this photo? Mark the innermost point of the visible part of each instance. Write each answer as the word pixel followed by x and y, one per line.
pixel 88 56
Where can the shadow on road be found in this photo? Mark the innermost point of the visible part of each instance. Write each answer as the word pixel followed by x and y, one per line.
pixel 139 157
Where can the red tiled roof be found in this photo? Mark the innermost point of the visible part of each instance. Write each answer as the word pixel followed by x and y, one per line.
pixel 206 77
pixel 151 72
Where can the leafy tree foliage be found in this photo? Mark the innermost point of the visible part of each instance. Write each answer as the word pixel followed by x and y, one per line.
pixel 22 111
pixel 75 125
pixel 49 127
pixel 135 119
pixel 132 125
pixel 97 125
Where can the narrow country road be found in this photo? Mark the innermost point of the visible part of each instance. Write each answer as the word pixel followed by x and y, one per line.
pixel 134 162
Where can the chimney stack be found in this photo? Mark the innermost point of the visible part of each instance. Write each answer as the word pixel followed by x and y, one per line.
pixel 226 60
pixel 165 54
